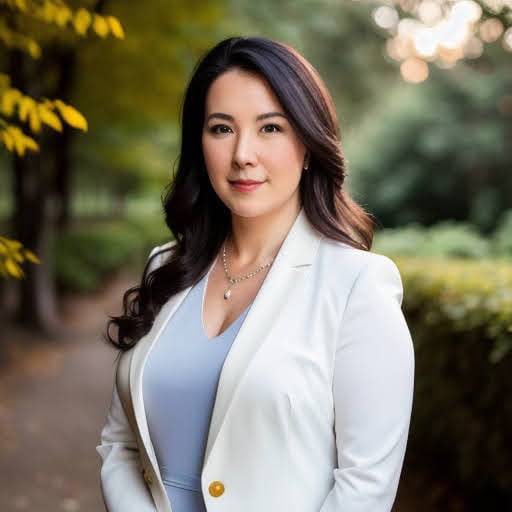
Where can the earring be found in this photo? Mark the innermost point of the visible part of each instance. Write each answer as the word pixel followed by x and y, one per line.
pixel 305 166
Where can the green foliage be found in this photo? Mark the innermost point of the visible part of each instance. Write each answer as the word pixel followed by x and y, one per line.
pixel 89 255
pixel 503 235
pixel 460 315
pixel 435 151
pixel 447 239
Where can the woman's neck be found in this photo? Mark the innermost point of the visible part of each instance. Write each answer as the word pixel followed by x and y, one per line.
pixel 256 240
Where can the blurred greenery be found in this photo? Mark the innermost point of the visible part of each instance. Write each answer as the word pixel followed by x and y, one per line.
pixel 91 253
pixel 447 239
pixel 460 315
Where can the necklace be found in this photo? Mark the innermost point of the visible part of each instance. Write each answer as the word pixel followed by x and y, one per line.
pixel 234 280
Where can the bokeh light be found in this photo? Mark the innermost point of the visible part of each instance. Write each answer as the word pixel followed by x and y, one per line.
pixel 440 31
pixel 414 70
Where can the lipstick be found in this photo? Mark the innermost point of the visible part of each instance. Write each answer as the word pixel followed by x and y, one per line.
pixel 246 186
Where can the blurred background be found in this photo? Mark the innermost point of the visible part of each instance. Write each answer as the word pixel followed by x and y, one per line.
pixel 90 95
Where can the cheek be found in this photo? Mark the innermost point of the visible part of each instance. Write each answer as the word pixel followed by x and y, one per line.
pixel 215 158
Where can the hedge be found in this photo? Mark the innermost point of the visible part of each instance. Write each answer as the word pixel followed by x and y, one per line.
pixel 460 315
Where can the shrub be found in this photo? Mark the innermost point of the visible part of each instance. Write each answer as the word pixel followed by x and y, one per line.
pixel 502 238
pixel 460 315
pixel 445 239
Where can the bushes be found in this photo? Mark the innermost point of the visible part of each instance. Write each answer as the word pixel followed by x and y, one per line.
pixel 447 239
pixel 89 254
pixel 460 314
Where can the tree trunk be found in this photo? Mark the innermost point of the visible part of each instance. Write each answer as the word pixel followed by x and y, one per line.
pixel 33 216
pixel 66 65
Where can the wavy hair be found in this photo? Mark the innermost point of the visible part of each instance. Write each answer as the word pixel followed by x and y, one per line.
pixel 193 212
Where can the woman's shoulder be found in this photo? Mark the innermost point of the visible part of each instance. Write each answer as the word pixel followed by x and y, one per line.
pixel 345 257
pixel 348 268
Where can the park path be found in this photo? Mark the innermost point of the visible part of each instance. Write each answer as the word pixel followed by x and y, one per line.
pixel 54 394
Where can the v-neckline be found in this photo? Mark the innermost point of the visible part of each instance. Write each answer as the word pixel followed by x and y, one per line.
pixel 204 282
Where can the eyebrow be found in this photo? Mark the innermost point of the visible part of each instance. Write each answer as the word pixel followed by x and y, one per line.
pixel 227 117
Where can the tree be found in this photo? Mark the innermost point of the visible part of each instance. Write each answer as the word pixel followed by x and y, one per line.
pixel 39 157
pixel 121 90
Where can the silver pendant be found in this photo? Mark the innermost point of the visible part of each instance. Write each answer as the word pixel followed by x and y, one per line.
pixel 227 294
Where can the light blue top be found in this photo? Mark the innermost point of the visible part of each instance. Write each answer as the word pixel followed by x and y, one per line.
pixel 179 385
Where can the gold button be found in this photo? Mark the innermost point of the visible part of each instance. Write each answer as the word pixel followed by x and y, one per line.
pixel 216 489
pixel 147 477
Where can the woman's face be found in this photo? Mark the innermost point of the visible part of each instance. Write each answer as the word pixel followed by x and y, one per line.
pixel 253 156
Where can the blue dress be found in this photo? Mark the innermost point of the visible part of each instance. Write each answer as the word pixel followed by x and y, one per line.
pixel 179 386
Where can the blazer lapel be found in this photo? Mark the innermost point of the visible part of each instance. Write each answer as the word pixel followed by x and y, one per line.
pixel 295 255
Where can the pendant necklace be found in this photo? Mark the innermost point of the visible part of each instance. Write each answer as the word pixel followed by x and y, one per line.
pixel 234 280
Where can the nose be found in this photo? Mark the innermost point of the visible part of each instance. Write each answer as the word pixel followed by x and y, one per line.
pixel 244 154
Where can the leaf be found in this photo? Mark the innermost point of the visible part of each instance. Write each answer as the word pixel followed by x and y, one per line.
pixel 13 268
pixel 9 100
pixel 5 81
pixel 8 140
pixel 115 27
pixel 100 26
pixel 25 105
pixel 82 21
pixel 50 118
pixel 62 16
pixel 34 49
pixel 71 115
pixel 34 121
pixel 19 143
pixel 14 245
pixel 30 256
pixel 31 144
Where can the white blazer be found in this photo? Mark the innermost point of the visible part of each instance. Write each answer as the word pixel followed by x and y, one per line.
pixel 314 400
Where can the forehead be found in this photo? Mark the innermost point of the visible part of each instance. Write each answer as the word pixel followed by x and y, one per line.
pixel 241 91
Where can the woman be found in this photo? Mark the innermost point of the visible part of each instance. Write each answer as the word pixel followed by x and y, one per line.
pixel 266 364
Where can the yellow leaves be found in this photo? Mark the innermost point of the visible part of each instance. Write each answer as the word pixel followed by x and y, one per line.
pixel 63 16
pixel 15 140
pixel 82 21
pixel 57 12
pixel 9 100
pixel 101 26
pixel 115 27
pixel 71 115
pixel 34 49
pixel 49 118
pixel 35 114
pixel 25 105
pixel 12 256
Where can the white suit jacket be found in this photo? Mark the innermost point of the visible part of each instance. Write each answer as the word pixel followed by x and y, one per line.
pixel 314 400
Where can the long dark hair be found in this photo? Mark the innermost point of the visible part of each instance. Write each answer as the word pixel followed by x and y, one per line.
pixel 199 220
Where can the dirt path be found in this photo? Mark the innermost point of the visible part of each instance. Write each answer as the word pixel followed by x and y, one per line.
pixel 53 400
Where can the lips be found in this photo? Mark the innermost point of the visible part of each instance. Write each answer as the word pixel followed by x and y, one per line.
pixel 246 185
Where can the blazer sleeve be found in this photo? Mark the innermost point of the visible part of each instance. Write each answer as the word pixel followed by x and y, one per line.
pixel 122 483
pixel 372 391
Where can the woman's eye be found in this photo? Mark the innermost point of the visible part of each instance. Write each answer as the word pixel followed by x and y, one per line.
pixel 220 129
pixel 271 128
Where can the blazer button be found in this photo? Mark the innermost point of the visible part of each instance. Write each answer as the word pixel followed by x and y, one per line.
pixel 216 489
pixel 147 477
